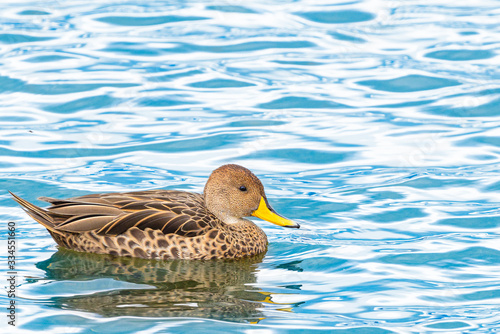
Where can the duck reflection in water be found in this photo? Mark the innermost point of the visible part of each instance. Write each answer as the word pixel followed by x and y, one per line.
pixel 216 289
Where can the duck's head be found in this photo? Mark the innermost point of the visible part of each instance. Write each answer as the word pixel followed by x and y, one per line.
pixel 233 192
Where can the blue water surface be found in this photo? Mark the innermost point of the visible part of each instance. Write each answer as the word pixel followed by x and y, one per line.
pixel 374 124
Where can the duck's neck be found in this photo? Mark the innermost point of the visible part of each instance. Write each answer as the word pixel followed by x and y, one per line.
pixel 223 215
pixel 233 220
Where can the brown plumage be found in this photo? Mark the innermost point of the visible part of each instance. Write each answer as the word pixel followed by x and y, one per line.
pixel 165 224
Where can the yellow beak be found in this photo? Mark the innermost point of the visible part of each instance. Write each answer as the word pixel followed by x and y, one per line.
pixel 265 212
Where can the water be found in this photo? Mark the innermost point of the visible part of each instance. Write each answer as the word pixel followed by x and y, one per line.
pixel 372 123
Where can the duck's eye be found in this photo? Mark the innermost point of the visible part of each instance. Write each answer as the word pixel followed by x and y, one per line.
pixel 243 188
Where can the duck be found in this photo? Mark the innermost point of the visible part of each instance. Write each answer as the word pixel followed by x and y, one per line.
pixel 165 224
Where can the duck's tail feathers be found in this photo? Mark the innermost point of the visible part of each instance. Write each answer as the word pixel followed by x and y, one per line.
pixel 37 213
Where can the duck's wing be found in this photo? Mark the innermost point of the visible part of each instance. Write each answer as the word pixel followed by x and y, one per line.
pixel 176 212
